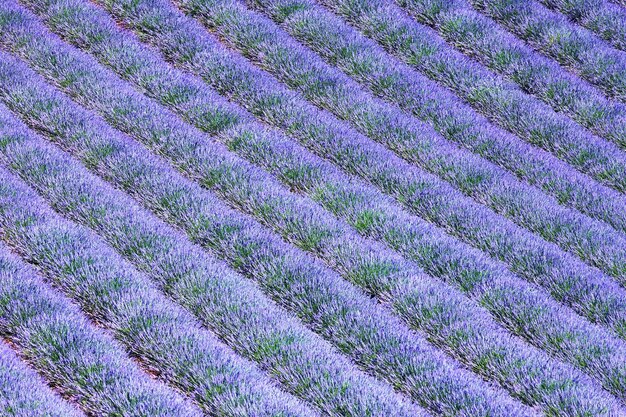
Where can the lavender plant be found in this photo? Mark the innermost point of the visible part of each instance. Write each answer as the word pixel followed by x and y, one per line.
pixel 325 86
pixel 24 394
pixel 200 55
pixel 342 47
pixel 273 215
pixel 75 357
pixel 67 190
pixel 166 339
pixel 360 204
pixel 454 342
pixel 607 20
pixel 571 46
pixel 257 39
pixel 234 308
pixel 374 338
pixel 360 58
pixel 484 41
pixel 147 191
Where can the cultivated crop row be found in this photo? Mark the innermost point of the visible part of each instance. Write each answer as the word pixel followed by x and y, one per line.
pixel 360 58
pixel 22 392
pixel 483 40
pixel 324 85
pixel 166 339
pixel 607 20
pixel 364 61
pixel 239 187
pixel 169 343
pixel 257 37
pixel 230 305
pixel 355 153
pixel 68 192
pixel 247 189
pixel 501 102
pixel 368 333
pixel 573 47
pixel 80 361
pixel 369 213
pixel 358 203
pixel 188 259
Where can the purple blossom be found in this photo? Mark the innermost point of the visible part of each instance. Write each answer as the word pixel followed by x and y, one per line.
pixel 194 210
pixel 573 47
pixel 607 20
pixel 291 265
pixel 390 172
pixel 23 393
pixel 294 165
pixel 484 182
pixel 483 40
pixel 231 306
pixel 375 339
pixel 345 48
pixel 167 340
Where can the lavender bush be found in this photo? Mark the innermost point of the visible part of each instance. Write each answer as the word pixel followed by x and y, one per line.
pixel 64 189
pixel 370 213
pixel 145 190
pixel 323 304
pixel 356 152
pixel 361 59
pixel 483 40
pixel 374 338
pixel 231 306
pixel 256 38
pixel 471 175
pixel 167 340
pixel 76 357
pixel 483 182
pixel 346 261
pixel 573 47
pixel 24 394
pixel 607 20
pixel 342 47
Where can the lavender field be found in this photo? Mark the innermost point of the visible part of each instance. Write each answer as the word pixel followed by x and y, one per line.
pixel 351 208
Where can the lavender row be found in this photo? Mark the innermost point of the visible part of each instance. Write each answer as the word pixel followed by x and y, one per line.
pixel 573 47
pixel 483 339
pixel 22 392
pixel 311 229
pixel 607 20
pixel 585 297
pixel 483 40
pixel 363 60
pixel 327 87
pixel 87 26
pixel 501 102
pixel 358 326
pixel 232 76
pixel 82 362
pixel 166 339
pixel 258 38
pixel 363 208
pixel 233 307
